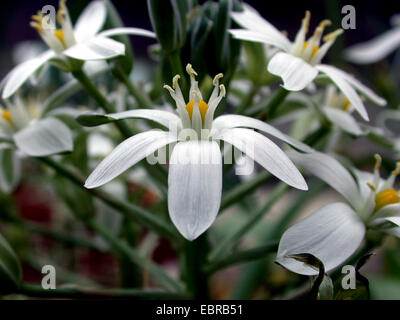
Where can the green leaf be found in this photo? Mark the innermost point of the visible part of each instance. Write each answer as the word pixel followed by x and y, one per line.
pixel 93 120
pixel 168 18
pixel 256 62
pixel 10 170
pixel 10 268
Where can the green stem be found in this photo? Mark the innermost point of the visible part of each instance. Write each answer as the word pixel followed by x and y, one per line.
pixel 101 100
pixel 61 236
pixel 256 270
pixel 237 234
pixel 243 189
pixel 86 292
pixel 315 137
pixel 141 98
pixel 248 99
pixel 242 257
pixel 273 105
pixel 175 62
pixel 158 274
pixel 66 91
pixel 129 210
pixel 194 259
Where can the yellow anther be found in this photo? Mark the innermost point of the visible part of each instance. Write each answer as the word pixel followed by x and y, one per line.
pixel 37 26
pixel 315 49
pixel 37 18
pixel 378 161
pixel 59 34
pixel 333 35
pixel 203 107
pixel 190 70
pixel 386 197
pixel 396 171
pixel 346 105
pixel 171 91
pixel 175 81
pixel 6 115
pixel 216 78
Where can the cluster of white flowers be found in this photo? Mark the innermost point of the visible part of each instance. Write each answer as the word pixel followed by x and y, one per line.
pixel 194 134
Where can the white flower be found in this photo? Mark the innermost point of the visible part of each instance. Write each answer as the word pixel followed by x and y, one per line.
pixel 83 42
pixel 334 232
pixel 298 63
pixel 24 130
pixel 22 123
pixel 377 48
pixel 195 166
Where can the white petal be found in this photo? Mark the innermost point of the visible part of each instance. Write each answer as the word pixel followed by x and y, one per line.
pixel 332 234
pixel 365 91
pixel 343 120
pixel 254 36
pixel 375 49
pixel 389 210
pixel 346 89
pixel 381 221
pixel 129 31
pixel 252 20
pixel 97 48
pixel 44 137
pixel 363 177
pixel 194 186
pixel 23 71
pixel 233 121
pixel 331 171
pixel 165 118
pixel 295 72
pixel 90 21
pixel 266 153
pixel 127 154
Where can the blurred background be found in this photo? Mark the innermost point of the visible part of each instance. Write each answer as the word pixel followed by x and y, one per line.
pixel 40 207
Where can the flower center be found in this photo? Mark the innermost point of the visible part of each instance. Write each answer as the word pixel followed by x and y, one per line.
pixel 6 115
pixel 203 107
pixel 386 197
pixel 346 105
pixel 315 48
pixel 59 34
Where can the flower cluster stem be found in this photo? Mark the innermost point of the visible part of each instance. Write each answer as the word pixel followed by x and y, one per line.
pixel 242 257
pixel 252 220
pixel 194 260
pixel 101 100
pixel 129 210
pixel 141 98
pixel 248 99
pixel 273 105
pixel 101 293
pixel 158 274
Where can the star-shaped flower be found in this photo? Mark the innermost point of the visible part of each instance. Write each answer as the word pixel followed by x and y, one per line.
pixel 195 165
pixel 298 63
pixel 82 42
